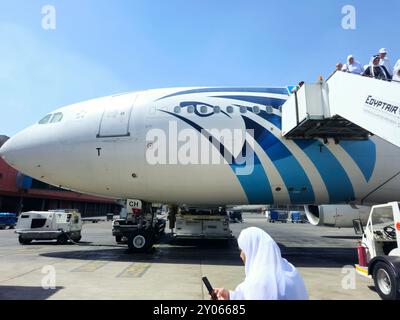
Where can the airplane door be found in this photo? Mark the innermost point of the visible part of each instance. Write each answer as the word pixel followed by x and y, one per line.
pixel 116 116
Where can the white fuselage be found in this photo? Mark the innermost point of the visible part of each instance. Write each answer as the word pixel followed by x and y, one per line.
pixel 114 147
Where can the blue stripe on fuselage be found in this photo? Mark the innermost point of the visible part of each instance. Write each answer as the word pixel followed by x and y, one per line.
pixel 256 185
pixel 289 168
pixel 363 153
pixel 273 118
pixel 282 91
pixel 266 101
pixel 340 188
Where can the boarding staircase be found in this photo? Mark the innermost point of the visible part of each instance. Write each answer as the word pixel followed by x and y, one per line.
pixel 345 107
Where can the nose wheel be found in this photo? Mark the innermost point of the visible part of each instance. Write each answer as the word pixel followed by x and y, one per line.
pixel 140 241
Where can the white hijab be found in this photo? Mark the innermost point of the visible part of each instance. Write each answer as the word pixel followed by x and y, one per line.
pixel 268 275
pixel 396 71
pixel 372 66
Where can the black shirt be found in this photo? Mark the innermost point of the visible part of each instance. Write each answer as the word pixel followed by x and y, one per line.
pixel 380 72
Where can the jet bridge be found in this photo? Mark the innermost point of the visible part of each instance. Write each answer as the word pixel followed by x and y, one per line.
pixel 345 107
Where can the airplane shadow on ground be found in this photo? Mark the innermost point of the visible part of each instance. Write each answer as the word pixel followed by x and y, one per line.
pixel 208 252
pixel 26 293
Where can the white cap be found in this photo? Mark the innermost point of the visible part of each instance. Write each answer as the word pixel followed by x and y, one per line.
pixel 383 50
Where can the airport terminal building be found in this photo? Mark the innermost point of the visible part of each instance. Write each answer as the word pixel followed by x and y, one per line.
pixel 19 193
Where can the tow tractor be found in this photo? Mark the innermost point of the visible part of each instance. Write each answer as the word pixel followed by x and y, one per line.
pixel 140 226
pixel 379 249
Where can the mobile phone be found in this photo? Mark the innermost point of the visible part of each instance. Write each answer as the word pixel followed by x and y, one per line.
pixel 209 288
pixel 208 285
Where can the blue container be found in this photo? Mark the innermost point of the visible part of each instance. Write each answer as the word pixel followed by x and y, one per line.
pixel 23 181
pixel 27 183
pixel 274 215
pixel 296 216
pixel 8 219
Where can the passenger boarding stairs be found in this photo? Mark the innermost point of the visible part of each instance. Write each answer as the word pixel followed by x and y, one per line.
pixel 345 107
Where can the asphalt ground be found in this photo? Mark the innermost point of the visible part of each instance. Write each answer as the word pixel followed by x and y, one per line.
pixel 98 268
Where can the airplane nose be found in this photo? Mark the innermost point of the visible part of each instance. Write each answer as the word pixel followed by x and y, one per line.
pixel 3 149
pixel 6 151
pixel 28 150
pixel 2 152
pixel 20 153
pixel 19 149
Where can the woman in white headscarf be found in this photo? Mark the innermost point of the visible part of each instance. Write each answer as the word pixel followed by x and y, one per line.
pixel 268 275
pixel 375 70
pixel 396 71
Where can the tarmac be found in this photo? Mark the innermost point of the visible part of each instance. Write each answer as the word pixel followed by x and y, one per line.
pixel 99 268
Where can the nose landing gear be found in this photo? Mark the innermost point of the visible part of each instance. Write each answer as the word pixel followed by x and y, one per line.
pixel 141 227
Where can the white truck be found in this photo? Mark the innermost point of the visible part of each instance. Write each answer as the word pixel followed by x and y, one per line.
pixel 60 225
pixel 379 250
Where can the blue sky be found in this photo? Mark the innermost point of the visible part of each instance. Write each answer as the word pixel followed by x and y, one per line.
pixel 103 47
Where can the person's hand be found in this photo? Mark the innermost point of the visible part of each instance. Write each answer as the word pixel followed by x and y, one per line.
pixel 221 293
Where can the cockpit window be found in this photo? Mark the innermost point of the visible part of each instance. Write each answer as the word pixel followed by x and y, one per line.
pixel 46 119
pixel 57 117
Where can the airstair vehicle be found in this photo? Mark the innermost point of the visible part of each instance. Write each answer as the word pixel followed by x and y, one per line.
pixel 345 107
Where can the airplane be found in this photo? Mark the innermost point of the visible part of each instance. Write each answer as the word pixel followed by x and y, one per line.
pixel 200 146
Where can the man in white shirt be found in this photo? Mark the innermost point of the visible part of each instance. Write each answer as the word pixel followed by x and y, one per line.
pixel 385 61
pixel 352 66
